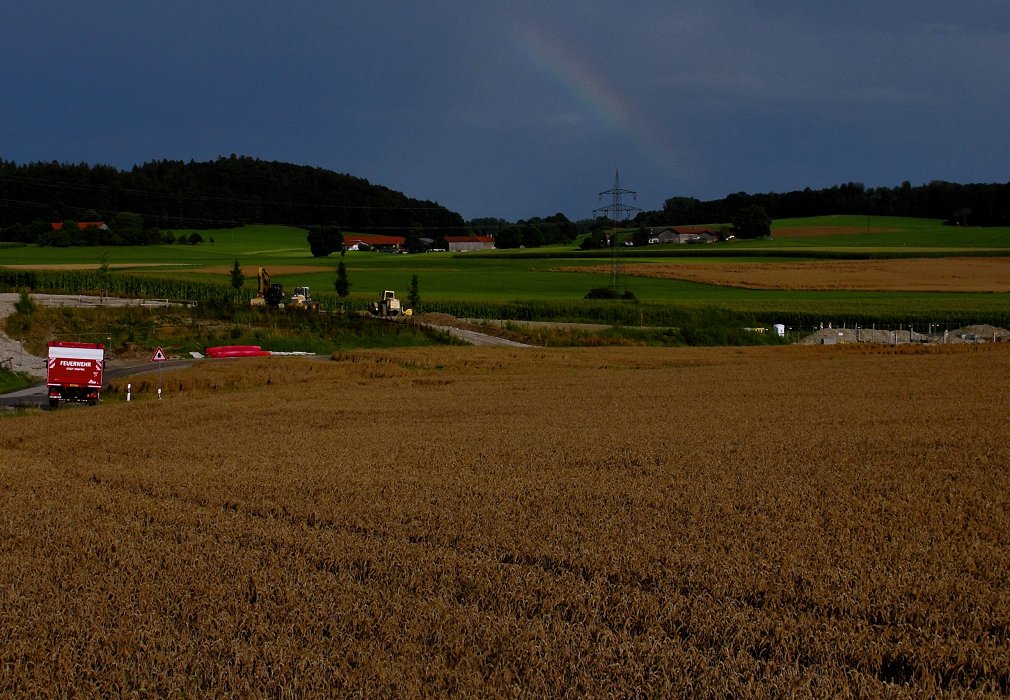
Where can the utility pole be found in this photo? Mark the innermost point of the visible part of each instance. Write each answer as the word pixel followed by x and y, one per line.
pixel 616 211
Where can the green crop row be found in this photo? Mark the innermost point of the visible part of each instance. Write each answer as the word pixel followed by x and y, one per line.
pixel 617 313
pixel 794 310
pixel 97 282
pixel 620 313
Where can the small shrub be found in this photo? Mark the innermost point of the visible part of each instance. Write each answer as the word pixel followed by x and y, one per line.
pixel 609 293
pixel 26 303
pixel 603 293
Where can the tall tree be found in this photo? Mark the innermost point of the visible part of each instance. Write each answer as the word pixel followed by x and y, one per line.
pixel 341 284
pixel 412 241
pixel 324 240
pixel 509 237
pixel 752 222
pixel 237 276
pixel 414 296
pixel 127 228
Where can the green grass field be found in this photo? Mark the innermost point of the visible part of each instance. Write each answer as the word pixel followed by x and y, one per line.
pixel 12 381
pixel 533 276
pixel 918 234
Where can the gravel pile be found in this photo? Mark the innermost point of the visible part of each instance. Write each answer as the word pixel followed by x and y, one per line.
pixel 13 355
pixel 437 319
pixel 984 333
pixel 968 334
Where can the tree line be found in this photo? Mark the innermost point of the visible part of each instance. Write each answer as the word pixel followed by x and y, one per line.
pixel 122 228
pixel 140 204
pixel 977 204
pixel 535 232
pixel 223 193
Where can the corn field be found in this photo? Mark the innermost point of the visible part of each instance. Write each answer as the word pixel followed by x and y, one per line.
pixel 732 522
pixel 116 284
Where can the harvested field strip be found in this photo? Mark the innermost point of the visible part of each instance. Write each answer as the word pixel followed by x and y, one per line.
pixel 915 275
pixel 520 523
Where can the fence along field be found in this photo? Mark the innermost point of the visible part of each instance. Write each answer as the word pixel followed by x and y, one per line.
pixel 533 523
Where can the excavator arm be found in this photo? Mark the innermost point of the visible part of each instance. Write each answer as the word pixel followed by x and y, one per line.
pixel 262 282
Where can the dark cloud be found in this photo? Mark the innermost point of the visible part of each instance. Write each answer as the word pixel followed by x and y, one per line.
pixel 521 109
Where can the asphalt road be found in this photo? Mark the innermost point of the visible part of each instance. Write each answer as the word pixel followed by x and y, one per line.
pixel 36 395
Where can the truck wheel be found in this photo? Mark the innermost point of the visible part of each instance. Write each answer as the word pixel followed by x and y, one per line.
pixel 54 404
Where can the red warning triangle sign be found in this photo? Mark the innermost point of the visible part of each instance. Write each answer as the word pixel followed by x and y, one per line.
pixel 159 356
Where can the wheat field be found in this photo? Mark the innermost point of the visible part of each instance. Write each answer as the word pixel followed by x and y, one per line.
pixel 807 521
pixel 912 275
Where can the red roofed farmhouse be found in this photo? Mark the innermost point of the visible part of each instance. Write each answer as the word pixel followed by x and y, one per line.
pixel 58 225
pixel 368 241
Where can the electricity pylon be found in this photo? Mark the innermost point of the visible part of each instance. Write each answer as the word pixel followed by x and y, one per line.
pixel 616 211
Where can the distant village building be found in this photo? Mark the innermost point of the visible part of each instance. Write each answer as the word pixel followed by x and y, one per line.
pixel 663 234
pixel 399 243
pixel 373 242
pixel 100 225
pixel 681 234
pixel 462 244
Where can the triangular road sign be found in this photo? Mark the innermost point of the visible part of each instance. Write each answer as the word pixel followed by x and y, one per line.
pixel 159 356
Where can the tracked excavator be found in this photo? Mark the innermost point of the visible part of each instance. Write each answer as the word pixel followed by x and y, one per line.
pixel 267 294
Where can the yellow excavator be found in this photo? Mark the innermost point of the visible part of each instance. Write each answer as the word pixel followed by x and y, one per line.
pixel 266 294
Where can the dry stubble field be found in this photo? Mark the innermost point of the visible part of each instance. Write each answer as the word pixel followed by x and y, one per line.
pixel 913 275
pixel 821 521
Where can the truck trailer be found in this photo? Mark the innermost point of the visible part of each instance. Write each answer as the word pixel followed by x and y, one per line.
pixel 75 372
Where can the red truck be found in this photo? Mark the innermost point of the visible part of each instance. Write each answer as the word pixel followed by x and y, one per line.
pixel 75 372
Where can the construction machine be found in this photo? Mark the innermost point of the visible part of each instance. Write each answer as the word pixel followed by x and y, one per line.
pixel 387 305
pixel 302 299
pixel 266 294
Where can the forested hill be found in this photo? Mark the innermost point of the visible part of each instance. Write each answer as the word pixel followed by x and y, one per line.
pixel 966 205
pixel 225 192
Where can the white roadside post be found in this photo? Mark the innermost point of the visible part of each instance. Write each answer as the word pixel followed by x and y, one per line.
pixel 129 388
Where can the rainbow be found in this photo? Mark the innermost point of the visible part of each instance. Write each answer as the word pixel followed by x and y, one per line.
pixel 604 102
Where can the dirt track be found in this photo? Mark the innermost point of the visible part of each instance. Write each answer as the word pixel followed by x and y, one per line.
pixel 482 339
